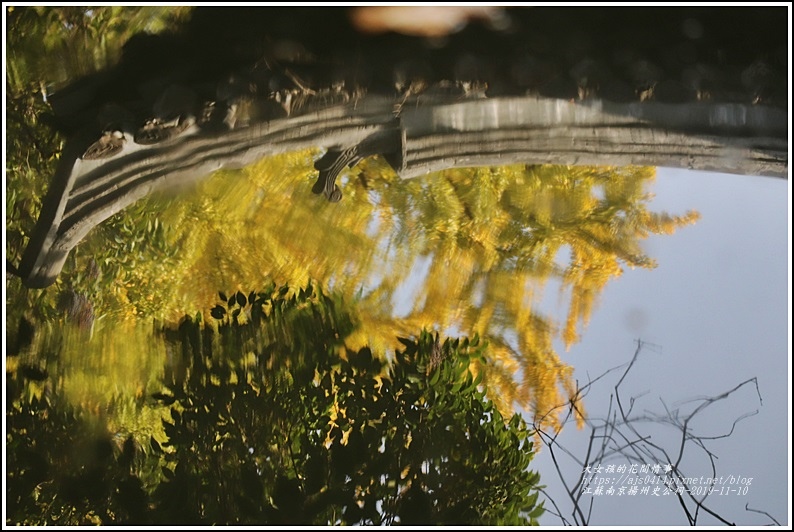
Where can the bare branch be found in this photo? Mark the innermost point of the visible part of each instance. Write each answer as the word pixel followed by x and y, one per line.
pixel 747 507
pixel 556 512
pixel 617 435
pixel 733 426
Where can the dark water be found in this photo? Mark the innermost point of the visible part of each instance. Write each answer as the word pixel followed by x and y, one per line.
pixel 241 351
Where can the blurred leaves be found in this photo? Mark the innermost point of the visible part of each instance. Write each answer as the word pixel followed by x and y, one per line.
pixel 311 432
pixel 305 431
pixel 467 249
pixel 64 469
pixel 50 45
pixel 473 250
pixel 486 241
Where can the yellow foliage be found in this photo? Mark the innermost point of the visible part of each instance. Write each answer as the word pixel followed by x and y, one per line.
pixel 472 247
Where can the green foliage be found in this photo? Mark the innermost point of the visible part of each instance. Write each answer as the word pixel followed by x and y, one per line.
pixel 32 151
pixel 492 237
pixel 62 468
pixel 272 420
pixel 340 437
pixel 50 45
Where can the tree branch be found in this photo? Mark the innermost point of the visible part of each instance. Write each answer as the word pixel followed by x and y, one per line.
pixel 617 435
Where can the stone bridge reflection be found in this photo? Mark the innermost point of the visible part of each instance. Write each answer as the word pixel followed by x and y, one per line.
pixel 420 135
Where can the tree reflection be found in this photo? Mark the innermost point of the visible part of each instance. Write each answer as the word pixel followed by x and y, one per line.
pixel 474 247
pixel 64 42
pixel 274 421
pixel 463 250
pixel 489 241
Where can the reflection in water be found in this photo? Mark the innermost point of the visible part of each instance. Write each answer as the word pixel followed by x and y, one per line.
pixel 108 373
pixel 95 362
pixel 61 44
pixel 487 241
pixel 265 423
pixel 490 239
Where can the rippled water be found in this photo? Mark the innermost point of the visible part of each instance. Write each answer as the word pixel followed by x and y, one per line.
pixel 138 385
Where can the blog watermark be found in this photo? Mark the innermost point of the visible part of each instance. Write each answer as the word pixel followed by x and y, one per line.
pixel 657 480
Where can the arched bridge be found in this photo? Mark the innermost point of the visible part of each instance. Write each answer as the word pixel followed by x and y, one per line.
pixel 417 135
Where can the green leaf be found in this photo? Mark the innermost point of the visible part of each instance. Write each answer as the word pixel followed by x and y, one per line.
pixel 537 512
pixel 531 501
pixel 471 387
pixel 434 378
